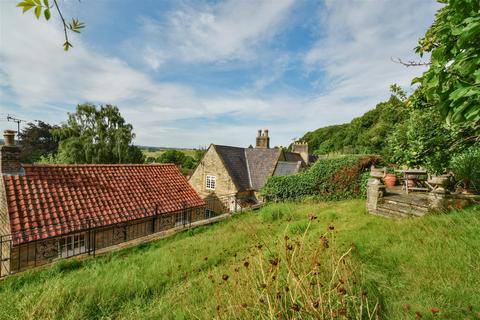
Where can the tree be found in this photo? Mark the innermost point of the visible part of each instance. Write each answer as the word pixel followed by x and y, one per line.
pixel 452 82
pixel 93 135
pixel 172 156
pixel 37 141
pixel 43 7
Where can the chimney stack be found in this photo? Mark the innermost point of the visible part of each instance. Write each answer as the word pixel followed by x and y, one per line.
pixel 302 149
pixel 10 155
pixel 263 140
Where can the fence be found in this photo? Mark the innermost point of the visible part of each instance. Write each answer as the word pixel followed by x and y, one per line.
pixel 85 237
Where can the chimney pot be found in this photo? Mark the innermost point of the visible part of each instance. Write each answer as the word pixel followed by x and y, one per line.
pixel 262 141
pixel 9 137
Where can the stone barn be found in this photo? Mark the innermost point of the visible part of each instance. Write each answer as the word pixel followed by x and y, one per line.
pixel 48 212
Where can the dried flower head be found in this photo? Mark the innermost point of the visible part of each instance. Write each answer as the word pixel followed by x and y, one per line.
pixel 225 277
pixel 274 262
pixel 295 307
pixel 324 241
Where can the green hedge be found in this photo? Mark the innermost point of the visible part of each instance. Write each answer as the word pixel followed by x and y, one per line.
pixel 335 178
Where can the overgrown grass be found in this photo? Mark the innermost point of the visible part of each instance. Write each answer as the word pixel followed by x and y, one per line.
pixel 407 266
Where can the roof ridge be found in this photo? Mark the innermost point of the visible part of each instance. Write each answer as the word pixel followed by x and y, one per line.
pixel 248 169
pixel 33 165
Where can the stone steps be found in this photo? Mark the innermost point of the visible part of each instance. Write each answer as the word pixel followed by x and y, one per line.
pixel 398 207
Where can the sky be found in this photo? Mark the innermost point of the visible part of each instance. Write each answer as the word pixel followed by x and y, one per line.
pixel 190 73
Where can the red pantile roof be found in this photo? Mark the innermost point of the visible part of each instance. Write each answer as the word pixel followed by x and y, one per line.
pixel 50 200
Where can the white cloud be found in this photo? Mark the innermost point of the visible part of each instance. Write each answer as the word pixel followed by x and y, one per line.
pixel 46 82
pixel 212 32
pixel 360 39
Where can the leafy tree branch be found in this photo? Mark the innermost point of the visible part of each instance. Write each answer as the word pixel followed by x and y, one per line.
pixel 43 6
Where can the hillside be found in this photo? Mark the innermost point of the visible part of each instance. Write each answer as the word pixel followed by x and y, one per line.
pixel 414 265
pixel 363 135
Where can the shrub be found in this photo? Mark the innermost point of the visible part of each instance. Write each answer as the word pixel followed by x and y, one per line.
pixel 333 178
pixel 466 168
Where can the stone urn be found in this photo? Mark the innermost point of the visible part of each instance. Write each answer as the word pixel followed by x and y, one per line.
pixel 390 180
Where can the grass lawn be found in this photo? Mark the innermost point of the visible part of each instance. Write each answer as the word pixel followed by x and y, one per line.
pixel 408 266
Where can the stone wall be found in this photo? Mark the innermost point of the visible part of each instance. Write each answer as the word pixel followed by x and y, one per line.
pixel 219 199
pixel 4 231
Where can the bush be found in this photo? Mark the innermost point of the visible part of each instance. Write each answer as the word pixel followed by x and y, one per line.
pixel 466 168
pixel 328 179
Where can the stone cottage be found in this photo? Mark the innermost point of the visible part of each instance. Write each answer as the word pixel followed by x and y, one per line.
pixel 229 178
pixel 49 212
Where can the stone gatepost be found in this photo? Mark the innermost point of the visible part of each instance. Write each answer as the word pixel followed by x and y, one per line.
pixel 375 190
pixel 437 200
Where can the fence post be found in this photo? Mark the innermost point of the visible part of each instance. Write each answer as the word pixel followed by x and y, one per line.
pixel 89 236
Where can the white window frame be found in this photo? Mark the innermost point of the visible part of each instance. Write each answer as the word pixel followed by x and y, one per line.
pixel 210 182
pixel 209 213
pixel 72 245
pixel 182 218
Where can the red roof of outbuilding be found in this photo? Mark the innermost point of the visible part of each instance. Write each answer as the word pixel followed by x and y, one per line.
pixel 50 200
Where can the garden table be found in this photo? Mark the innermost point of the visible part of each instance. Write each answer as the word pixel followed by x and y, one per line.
pixel 418 179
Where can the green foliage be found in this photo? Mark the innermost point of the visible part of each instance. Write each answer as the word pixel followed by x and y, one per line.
pixel 271 213
pixel 185 159
pixel 173 156
pixel 93 135
pixel 365 134
pixel 37 141
pixel 298 227
pixel 422 140
pixel 332 178
pixel 409 266
pixel 43 6
pixel 365 176
pixel 466 168
pixel 452 82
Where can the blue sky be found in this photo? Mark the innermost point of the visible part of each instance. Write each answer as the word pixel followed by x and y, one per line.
pixel 191 73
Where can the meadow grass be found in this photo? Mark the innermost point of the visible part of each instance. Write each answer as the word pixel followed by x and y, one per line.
pixel 405 267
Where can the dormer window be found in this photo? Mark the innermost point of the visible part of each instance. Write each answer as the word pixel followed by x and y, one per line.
pixel 211 182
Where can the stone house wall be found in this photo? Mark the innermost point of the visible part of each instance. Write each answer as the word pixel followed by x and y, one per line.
pixel 218 200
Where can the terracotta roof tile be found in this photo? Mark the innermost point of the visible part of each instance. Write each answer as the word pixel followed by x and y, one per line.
pixel 50 200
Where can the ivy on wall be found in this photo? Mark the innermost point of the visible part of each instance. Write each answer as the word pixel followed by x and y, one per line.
pixel 334 178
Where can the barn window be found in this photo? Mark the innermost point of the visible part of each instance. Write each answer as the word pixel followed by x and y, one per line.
pixel 182 218
pixel 210 182
pixel 209 213
pixel 71 245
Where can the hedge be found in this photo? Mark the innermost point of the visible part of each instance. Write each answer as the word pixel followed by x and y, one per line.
pixel 335 178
